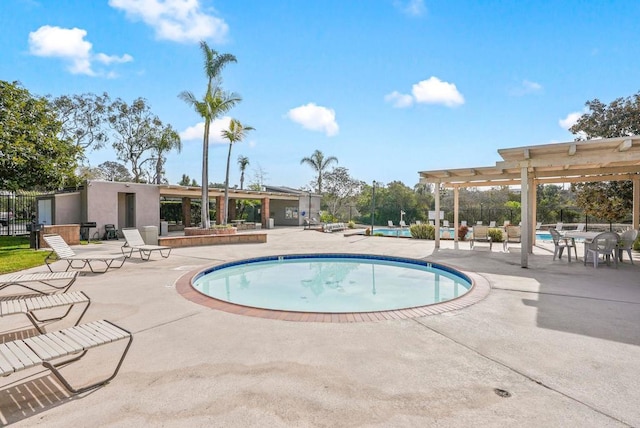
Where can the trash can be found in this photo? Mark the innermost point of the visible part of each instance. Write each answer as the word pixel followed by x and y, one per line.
pixel 149 235
pixel 34 235
pixel 164 228
pixel 270 224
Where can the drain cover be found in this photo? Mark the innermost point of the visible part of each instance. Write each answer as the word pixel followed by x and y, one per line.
pixel 502 393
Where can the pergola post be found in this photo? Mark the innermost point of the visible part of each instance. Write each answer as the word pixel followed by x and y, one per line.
pixel 437 216
pixel 636 202
pixel 456 193
pixel 531 213
pixel 524 212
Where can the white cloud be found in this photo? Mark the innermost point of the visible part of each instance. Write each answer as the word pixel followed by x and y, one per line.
pixel 435 91
pixel 570 120
pixel 70 45
pixel 175 20
pixel 196 132
pixel 411 7
pixel 399 100
pixel 526 87
pixel 315 118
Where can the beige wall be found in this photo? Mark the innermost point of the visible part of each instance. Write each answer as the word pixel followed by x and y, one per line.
pixel 106 204
pixel 68 208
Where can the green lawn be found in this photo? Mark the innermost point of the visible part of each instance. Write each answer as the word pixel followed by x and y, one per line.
pixel 16 255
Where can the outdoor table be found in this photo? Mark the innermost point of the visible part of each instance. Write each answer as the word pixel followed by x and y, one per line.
pixel 587 236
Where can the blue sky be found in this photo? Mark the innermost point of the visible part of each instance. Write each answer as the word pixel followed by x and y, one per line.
pixel 389 87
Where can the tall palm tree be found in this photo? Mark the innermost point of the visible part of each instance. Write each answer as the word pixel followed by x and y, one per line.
pixel 319 163
pixel 243 162
pixel 215 103
pixel 168 140
pixel 236 133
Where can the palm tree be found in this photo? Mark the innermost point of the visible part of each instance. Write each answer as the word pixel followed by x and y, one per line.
pixel 243 162
pixel 236 133
pixel 169 140
pixel 215 103
pixel 319 163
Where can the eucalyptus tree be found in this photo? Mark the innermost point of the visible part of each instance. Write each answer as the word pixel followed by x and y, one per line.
pixel 243 163
pixel 236 133
pixel 319 163
pixel 214 104
pixel 32 153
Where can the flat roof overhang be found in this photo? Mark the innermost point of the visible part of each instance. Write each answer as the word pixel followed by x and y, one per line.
pixel 176 191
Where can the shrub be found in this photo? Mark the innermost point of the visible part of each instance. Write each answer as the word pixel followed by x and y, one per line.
pixel 367 232
pixel 496 234
pixel 636 244
pixel 422 231
pixel 351 224
pixel 378 234
pixel 462 232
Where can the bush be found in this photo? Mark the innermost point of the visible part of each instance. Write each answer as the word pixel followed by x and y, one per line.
pixel 636 244
pixel 496 235
pixel 351 224
pixel 462 232
pixel 423 231
pixel 367 232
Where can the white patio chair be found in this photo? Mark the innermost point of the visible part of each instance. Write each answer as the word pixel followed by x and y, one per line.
pixel 560 243
pixel 480 234
pixel 606 245
pixel 60 250
pixel 134 242
pixel 626 243
pixel 492 224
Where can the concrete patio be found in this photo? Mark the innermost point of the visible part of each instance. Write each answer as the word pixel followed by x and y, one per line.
pixel 562 338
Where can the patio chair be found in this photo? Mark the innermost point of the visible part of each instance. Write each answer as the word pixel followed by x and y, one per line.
pixel 418 222
pixel 463 223
pixel 29 305
pixel 514 235
pixel 626 243
pixel 61 251
pixel 604 244
pixel 479 222
pixel 560 243
pixel 134 242
pixel 52 280
pixel 559 226
pixel 538 225
pixel 492 224
pixel 390 223
pixel 402 223
pixel 580 227
pixel 445 223
pixel 48 349
pixel 480 234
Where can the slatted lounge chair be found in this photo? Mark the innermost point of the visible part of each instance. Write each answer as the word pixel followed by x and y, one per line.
pixel 402 223
pixel 134 242
pixel 480 234
pixel 580 227
pixel 514 235
pixel 62 251
pixel 390 223
pixel 29 305
pixel 492 224
pixel 59 281
pixel 48 349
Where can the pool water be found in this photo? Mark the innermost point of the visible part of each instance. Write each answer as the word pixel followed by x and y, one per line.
pixel 332 283
pixel 404 232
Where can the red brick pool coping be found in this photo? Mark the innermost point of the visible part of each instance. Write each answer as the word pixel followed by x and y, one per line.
pixel 479 290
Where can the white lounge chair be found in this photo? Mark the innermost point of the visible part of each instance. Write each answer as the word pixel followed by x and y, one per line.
pixel 492 224
pixel 580 227
pixel 29 305
pixel 402 223
pixel 445 223
pixel 134 242
pixel 390 223
pixel 52 280
pixel 49 350
pixel 61 251
pixel 514 235
pixel 559 226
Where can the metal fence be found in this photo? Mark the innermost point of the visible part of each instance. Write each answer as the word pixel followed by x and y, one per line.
pixel 17 210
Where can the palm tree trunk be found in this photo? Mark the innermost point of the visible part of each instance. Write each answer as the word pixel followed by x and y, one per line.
pixel 226 187
pixel 204 213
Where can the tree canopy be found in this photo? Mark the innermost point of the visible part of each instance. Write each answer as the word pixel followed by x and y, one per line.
pixel 32 155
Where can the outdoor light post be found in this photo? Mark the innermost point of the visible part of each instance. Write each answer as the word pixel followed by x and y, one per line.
pixel 373 204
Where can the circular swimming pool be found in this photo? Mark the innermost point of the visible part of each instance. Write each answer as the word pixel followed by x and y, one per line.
pixel 332 283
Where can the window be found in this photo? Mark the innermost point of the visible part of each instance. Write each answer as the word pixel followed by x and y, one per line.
pixel 291 213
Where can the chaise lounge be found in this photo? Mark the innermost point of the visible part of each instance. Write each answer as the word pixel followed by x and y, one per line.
pixel 62 251
pixel 52 280
pixel 134 242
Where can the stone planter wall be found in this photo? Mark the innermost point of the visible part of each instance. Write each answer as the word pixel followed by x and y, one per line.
pixel 197 231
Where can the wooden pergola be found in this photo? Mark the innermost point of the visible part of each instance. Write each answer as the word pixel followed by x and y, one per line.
pixel 610 159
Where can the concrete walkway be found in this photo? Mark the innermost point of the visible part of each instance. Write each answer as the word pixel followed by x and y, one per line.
pixel 561 339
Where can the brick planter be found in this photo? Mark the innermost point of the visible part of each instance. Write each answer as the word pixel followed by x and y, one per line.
pixel 197 231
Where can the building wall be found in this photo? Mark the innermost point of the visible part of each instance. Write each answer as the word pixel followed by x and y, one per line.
pixel 279 209
pixel 106 202
pixel 68 208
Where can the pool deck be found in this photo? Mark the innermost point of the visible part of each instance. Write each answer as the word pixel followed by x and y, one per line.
pixel 563 340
